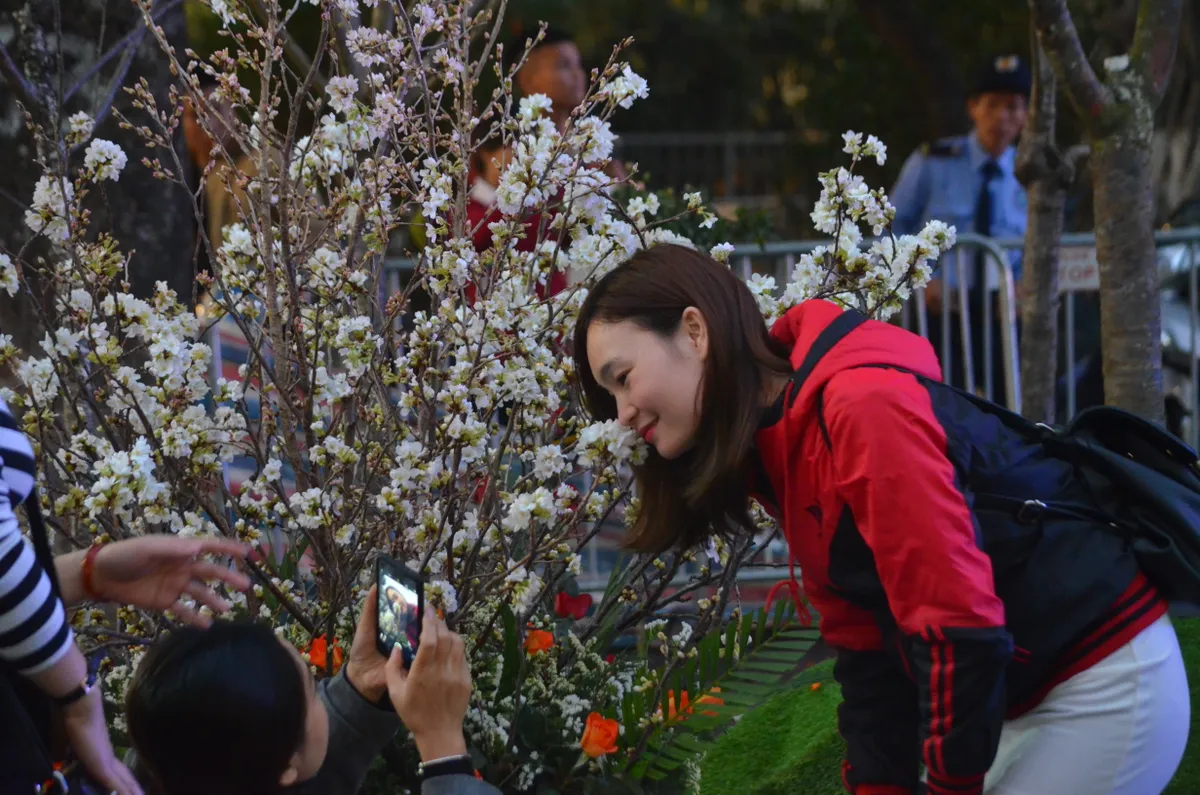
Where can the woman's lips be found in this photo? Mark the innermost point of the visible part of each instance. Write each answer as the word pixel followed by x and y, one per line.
pixel 648 432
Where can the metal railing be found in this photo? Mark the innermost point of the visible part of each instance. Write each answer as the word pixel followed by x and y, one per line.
pixel 778 260
pixel 1176 251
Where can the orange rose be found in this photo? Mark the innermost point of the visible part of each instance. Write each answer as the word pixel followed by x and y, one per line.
pixel 538 640
pixel 599 736
pixel 316 654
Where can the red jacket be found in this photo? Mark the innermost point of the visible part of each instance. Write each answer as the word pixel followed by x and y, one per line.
pixel 941 631
pixel 479 215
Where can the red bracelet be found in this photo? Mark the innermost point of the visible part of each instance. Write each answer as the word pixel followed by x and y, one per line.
pixel 89 569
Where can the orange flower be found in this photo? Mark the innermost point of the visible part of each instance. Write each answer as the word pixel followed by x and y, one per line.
pixel 711 699
pixel 316 653
pixel 538 640
pixel 683 706
pixel 599 736
pixel 815 686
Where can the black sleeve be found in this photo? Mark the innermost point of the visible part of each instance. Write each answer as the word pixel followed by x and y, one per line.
pixel 962 703
pixel 880 721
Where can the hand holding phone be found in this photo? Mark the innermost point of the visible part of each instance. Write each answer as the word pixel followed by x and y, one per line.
pixel 400 607
pixel 431 695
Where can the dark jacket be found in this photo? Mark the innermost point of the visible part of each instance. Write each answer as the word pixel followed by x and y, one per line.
pixel 942 629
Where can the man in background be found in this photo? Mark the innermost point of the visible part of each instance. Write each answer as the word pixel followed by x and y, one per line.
pixel 968 181
pixel 555 68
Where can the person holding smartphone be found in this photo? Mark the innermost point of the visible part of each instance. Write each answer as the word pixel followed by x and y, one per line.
pixel 233 709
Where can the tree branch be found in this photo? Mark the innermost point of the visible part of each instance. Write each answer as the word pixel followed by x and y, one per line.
pixel 118 80
pixel 292 50
pixel 1060 40
pixel 116 49
pixel 1155 40
pixel 24 90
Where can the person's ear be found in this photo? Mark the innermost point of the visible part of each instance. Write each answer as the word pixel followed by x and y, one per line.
pixel 289 776
pixel 695 331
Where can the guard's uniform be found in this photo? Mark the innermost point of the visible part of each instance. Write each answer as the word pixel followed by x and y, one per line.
pixel 955 180
pixel 943 181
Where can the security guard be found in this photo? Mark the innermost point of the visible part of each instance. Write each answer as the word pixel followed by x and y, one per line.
pixel 968 181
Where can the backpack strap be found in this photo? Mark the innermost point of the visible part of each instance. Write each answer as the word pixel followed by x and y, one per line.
pixel 830 336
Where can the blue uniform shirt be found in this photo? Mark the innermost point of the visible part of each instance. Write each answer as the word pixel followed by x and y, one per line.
pixel 942 181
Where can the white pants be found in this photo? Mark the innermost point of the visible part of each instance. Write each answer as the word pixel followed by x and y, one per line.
pixel 1118 728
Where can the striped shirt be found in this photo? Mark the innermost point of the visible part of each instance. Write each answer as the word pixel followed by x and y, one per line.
pixel 33 630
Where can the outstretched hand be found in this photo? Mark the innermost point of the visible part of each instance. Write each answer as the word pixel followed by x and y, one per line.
pixel 156 572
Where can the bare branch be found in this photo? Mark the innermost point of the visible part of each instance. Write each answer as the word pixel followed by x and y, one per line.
pixel 1060 40
pixel 1155 41
pixel 117 49
pixel 24 90
pixel 118 80
pixel 292 50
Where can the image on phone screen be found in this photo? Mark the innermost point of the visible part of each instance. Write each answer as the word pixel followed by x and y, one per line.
pixel 400 606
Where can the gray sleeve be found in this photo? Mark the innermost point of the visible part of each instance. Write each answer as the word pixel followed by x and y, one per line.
pixel 457 785
pixel 358 731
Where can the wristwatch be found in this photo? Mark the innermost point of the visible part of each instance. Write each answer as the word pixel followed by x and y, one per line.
pixel 447 766
pixel 80 692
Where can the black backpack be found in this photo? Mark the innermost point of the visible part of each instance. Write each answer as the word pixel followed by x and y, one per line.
pixel 1143 481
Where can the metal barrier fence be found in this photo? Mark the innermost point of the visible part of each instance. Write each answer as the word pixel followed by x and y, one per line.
pixel 998 374
pixel 1079 284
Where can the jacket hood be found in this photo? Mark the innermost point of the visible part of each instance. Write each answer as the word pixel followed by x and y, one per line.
pixel 874 342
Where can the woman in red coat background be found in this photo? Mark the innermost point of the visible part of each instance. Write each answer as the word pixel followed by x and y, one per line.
pixel 1039 661
pixel 490 159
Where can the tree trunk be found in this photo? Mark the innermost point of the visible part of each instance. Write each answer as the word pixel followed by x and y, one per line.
pixel 1130 315
pixel 1037 158
pixel 151 219
pixel 1118 114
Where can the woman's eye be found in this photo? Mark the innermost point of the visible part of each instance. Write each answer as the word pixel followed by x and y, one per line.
pixel 622 378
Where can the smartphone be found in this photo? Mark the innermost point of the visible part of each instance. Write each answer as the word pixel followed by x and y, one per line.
pixel 399 608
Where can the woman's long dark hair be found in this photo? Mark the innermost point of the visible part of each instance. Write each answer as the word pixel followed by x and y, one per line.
pixel 220 710
pixel 705 490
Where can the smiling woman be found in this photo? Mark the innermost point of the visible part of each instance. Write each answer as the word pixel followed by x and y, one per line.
pixel 878 475
pixel 646 356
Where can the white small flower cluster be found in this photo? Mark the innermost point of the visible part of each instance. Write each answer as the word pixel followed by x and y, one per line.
pixel 104 160
pixel 877 281
pixel 79 128
pixel 50 213
pixel 605 442
pixel 9 281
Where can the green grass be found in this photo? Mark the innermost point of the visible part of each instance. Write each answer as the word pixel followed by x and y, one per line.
pixel 788 745
pixel 791 744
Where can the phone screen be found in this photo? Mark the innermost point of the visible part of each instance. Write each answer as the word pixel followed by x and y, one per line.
pixel 400 607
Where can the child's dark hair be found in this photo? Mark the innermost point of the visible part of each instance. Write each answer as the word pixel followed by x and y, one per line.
pixel 217 710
